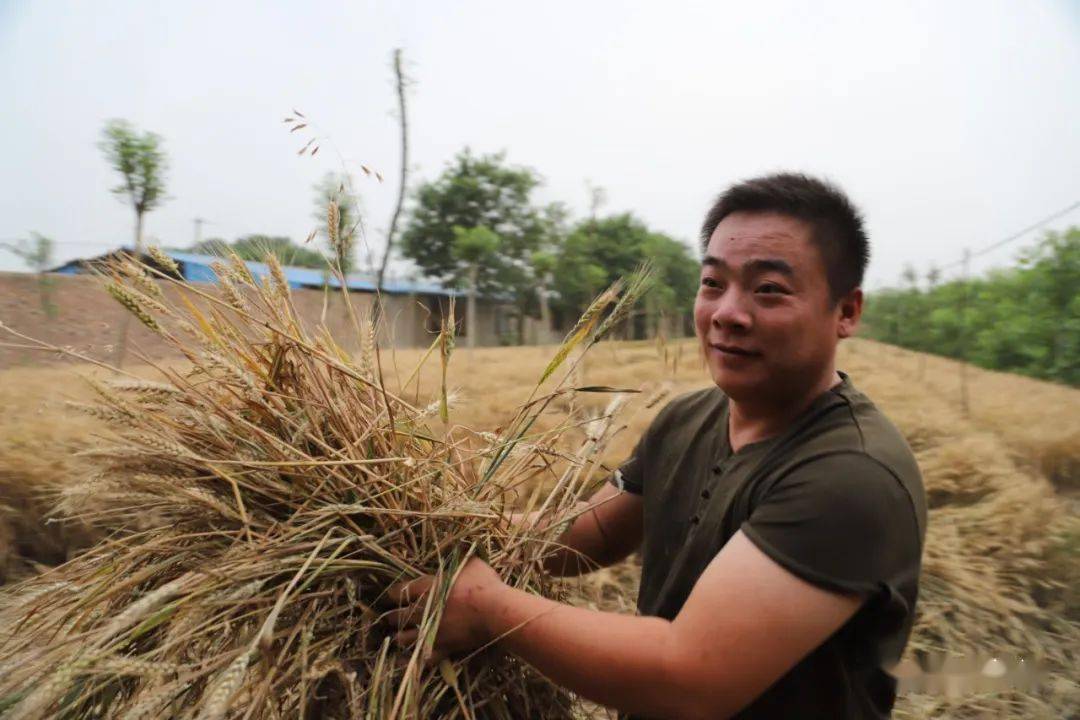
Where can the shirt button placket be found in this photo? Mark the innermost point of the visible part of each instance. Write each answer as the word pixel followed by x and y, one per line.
pixel 717 470
pixel 706 494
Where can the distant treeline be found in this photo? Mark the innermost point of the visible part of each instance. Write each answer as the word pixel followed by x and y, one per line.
pixel 1024 319
pixel 478 226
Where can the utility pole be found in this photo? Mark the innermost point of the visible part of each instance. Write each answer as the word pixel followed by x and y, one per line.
pixel 964 403
pixel 597 197
pixel 933 275
pixel 198 230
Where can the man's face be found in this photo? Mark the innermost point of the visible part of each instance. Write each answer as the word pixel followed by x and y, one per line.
pixel 763 311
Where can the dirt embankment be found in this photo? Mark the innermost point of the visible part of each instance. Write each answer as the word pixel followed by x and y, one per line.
pixel 74 312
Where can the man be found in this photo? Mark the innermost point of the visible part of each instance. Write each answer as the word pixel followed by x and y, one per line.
pixel 780 516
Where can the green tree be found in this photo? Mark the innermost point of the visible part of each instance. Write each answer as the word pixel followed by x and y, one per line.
pixel 675 279
pixel 141 162
pixel 37 253
pixel 336 187
pixel 485 191
pixel 474 248
pixel 1023 319
pixel 597 252
pixel 907 321
pixel 543 265
pixel 594 254
pixel 1050 281
pixel 476 192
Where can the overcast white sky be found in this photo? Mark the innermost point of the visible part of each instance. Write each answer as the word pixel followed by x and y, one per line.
pixel 952 124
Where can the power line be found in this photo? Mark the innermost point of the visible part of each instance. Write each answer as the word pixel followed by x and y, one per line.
pixel 1014 236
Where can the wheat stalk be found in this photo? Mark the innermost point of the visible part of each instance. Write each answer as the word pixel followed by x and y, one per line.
pixel 126 297
pixel 277 480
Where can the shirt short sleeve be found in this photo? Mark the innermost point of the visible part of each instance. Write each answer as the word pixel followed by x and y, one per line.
pixel 843 522
pixel 629 476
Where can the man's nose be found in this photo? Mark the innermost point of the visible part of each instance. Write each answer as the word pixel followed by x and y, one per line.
pixel 731 311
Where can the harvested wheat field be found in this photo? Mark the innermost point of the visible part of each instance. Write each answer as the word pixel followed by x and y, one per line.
pixel 236 570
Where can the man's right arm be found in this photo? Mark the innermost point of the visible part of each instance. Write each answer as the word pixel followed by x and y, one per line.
pixel 608 528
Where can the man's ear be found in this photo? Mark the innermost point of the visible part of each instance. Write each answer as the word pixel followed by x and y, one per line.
pixel 850 306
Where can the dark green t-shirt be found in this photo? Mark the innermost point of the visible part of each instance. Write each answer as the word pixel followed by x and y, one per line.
pixel 836 499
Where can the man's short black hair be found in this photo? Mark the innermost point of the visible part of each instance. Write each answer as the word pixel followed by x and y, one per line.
pixel 836 224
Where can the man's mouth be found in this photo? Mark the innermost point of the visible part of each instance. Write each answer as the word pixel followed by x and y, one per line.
pixel 734 350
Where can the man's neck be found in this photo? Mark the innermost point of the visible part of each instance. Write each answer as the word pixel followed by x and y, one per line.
pixel 750 421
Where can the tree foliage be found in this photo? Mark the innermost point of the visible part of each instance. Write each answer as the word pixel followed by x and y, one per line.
pixel 1024 319
pixel 475 246
pixel 141 162
pixel 487 195
pixel 599 251
pixel 475 192
pixel 477 221
pixel 37 253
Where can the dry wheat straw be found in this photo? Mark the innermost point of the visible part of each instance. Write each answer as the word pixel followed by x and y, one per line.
pixel 126 297
pixel 333 220
pixel 278 484
pixel 163 260
pixel 240 270
pixel 226 277
pixel 277 275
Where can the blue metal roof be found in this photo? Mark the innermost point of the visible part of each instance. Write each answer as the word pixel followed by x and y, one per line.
pixel 197 267
pixel 311 277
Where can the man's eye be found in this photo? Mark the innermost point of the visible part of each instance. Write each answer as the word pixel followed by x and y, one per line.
pixel 770 288
pixel 710 282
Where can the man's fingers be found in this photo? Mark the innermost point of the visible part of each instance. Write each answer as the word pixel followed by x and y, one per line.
pixel 405 638
pixel 402 660
pixel 404 617
pixel 409 592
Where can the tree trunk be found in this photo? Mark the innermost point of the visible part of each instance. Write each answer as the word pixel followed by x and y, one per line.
pixel 138 233
pixel 470 311
pixel 545 317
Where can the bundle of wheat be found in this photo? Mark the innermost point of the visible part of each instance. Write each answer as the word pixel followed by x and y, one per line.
pixel 260 503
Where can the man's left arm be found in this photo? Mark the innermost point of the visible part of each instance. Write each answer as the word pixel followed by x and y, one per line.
pixel 745 624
